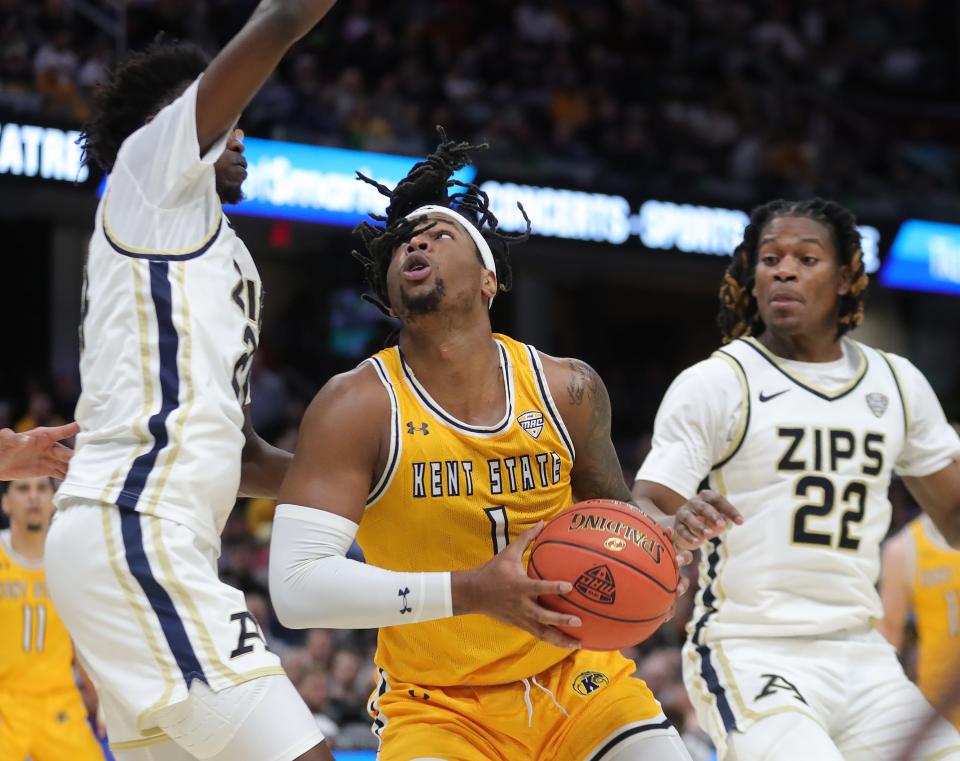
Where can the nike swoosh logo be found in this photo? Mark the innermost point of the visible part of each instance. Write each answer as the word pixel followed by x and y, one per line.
pixel 764 398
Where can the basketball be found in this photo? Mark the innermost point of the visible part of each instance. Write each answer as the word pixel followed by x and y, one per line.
pixel 622 566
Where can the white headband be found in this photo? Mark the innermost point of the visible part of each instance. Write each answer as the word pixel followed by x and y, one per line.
pixel 482 246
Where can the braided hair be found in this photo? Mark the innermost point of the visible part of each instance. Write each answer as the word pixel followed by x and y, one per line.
pixel 739 313
pixel 429 183
pixel 137 89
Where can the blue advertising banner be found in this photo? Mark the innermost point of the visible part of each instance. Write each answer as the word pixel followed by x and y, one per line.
pixel 310 183
pixel 925 256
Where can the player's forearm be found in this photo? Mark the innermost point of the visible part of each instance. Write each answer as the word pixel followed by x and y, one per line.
pixel 313 584
pixel 262 469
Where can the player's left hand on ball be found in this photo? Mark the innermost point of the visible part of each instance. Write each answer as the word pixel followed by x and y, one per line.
pixel 702 518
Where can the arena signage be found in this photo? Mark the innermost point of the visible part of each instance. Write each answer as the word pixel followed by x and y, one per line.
pixel 659 225
pixel 47 153
pixel 925 256
pixel 310 183
pixel 317 184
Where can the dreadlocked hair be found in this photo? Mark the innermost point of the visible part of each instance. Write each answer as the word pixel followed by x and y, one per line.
pixel 138 87
pixel 429 183
pixel 739 315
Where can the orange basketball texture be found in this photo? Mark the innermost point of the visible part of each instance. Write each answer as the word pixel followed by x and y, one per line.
pixel 622 567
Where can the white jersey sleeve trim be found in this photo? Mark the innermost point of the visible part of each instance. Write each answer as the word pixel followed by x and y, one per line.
pixel 190 252
pixel 931 443
pixel 396 441
pixel 543 389
pixel 699 426
pixel 744 422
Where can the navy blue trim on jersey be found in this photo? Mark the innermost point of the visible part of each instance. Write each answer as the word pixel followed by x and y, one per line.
pixel 548 400
pixel 707 671
pixel 440 413
pixel 709 674
pixel 394 456
pixel 793 379
pixel 378 723
pixel 626 734
pixel 709 598
pixel 173 629
pixel 159 256
pixel 746 425
pixel 903 397
pixel 168 344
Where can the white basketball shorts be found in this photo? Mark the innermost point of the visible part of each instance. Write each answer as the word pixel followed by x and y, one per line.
pixel 149 616
pixel 849 689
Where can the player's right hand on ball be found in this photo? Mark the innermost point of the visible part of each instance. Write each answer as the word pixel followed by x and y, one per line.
pixel 702 518
pixel 501 589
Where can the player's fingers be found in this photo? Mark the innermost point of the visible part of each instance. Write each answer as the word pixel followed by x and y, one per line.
pixel 56 433
pixel 684 557
pixel 61 453
pixel 554 637
pixel 553 618
pixel 687 517
pixel 685 540
pixel 542 587
pixel 683 586
pixel 722 505
pixel 519 545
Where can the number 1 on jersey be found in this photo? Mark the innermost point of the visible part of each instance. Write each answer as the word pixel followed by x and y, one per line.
pixel 499 527
pixel 31 642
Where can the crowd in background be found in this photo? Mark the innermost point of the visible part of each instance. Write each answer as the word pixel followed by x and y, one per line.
pixel 729 99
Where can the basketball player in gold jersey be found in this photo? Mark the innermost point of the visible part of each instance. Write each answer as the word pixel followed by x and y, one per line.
pixel 42 715
pixel 921 573
pixel 443 456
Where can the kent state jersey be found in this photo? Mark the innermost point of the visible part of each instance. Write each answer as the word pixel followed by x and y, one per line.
pixel 451 497
pixel 171 318
pixel 36 655
pixel 935 589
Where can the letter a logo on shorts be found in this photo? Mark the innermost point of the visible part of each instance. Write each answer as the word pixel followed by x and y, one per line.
pixel 776 682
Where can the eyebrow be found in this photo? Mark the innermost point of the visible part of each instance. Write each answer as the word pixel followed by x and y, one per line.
pixel 773 239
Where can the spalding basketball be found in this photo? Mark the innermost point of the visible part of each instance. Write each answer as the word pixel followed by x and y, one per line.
pixel 622 566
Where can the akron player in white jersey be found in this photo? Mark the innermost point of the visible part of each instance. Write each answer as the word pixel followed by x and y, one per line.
pixel 171 317
pixel 799 428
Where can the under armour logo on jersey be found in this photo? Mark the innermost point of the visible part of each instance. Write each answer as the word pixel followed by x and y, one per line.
pixel 403 593
pixel 776 682
pixel 877 403
pixel 765 398
pixel 424 428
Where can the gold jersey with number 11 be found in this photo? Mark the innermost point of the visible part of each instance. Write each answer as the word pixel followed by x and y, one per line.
pixel 452 496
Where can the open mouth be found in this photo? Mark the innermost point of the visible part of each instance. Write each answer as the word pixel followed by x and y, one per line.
pixel 416 268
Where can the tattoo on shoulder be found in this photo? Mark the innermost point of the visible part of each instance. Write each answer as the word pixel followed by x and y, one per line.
pixel 582 381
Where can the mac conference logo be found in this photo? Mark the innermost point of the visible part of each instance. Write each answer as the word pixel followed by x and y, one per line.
pixel 877 403
pixel 597 584
pixel 532 423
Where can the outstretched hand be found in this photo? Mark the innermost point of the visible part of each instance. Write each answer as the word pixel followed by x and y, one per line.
pixel 35 453
pixel 502 590
pixel 702 518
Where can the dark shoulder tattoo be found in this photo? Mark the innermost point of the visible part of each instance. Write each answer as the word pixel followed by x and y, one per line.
pixel 583 381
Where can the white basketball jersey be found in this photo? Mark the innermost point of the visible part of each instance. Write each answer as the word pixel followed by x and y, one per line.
pixel 809 471
pixel 171 313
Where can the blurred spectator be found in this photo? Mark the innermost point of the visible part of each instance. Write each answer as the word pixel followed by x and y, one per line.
pixel 39 412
